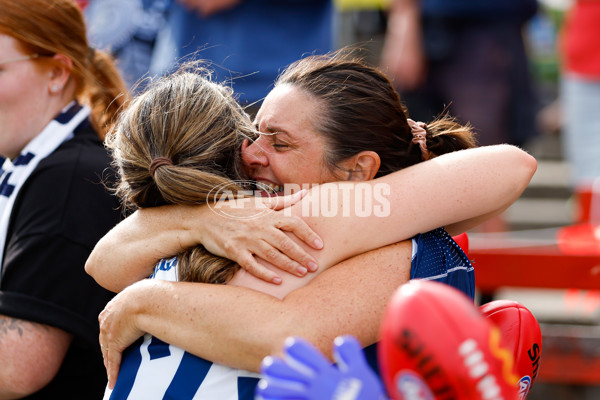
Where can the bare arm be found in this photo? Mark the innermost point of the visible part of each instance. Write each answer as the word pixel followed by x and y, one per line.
pixel 402 56
pixel 131 249
pixel 456 190
pixel 31 355
pixel 349 298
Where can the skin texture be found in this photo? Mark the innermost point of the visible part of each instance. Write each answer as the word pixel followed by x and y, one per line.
pixel 25 90
pixel 290 149
pixel 290 152
pixel 31 353
pixel 260 323
pixel 195 309
pixel 30 347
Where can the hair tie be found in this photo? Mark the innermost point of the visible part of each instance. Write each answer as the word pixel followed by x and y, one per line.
pixel 419 132
pixel 157 162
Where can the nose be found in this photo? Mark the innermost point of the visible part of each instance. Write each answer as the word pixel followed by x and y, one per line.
pixel 253 154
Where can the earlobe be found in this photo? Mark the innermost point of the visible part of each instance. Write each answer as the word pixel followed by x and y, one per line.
pixel 60 73
pixel 363 166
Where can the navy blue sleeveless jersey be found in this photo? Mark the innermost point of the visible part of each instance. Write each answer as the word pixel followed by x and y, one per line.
pixel 437 257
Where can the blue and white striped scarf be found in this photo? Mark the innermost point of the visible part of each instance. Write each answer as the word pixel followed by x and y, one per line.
pixel 14 174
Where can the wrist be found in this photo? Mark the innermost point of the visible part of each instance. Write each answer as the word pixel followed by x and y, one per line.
pixel 138 306
pixel 182 226
pixel 196 220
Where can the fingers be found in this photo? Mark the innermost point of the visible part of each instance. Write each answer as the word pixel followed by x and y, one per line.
pixel 348 353
pixel 290 251
pixel 287 256
pixel 266 238
pixel 114 363
pixel 302 355
pixel 250 264
pixel 279 249
pixel 111 356
pixel 111 338
pixel 298 227
pixel 247 259
pixel 277 368
pixel 282 381
pixel 272 389
pixel 280 202
pixel 101 338
pixel 104 349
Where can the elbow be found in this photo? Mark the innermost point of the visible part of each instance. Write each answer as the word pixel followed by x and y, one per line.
pixel 528 166
pixel 94 263
pixel 532 164
pixel 94 269
pixel 516 167
pixel 90 267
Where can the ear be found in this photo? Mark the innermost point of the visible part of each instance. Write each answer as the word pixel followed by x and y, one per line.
pixel 363 166
pixel 59 74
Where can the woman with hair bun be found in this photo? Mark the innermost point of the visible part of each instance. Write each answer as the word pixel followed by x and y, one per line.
pixel 328 119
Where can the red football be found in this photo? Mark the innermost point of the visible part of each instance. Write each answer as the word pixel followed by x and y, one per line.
pixel 435 344
pixel 521 334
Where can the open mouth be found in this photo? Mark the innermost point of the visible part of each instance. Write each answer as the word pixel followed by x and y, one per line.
pixel 267 189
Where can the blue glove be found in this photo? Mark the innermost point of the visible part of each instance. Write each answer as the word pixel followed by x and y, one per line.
pixel 306 374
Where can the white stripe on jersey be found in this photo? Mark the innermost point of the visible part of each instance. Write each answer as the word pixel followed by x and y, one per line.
pixel 444 275
pixel 162 371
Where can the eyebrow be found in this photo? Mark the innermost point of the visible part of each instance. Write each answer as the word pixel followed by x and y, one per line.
pixel 274 130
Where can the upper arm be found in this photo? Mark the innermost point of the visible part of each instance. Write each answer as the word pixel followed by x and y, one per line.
pixel 238 327
pixel 111 268
pixel 130 250
pixel 31 355
pixel 350 297
pixel 466 185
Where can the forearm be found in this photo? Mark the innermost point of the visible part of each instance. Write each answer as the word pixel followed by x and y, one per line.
pixel 509 173
pixel 239 327
pixel 402 55
pixel 456 188
pixel 404 26
pixel 31 356
pixel 130 250
pixel 409 9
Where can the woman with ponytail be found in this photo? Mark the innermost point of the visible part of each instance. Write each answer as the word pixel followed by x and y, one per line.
pixel 58 100
pixel 328 119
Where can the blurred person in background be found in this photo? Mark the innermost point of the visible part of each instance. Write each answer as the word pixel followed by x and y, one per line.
pixel 127 29
pixel 248 41
pixel 58 99
pixel 467 55
pixel 580 102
